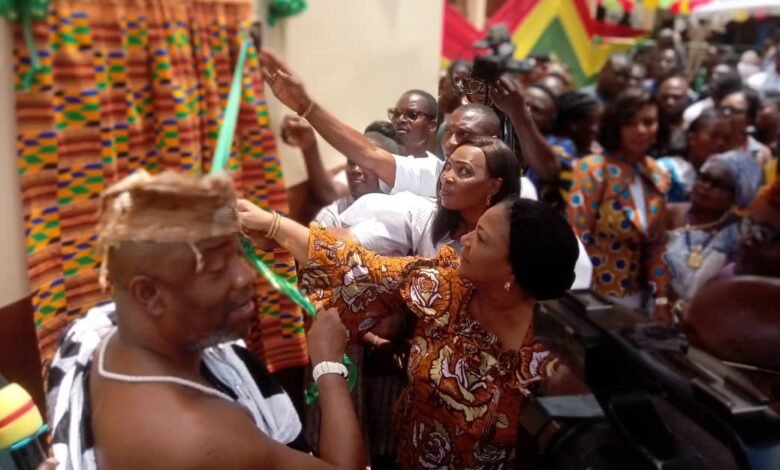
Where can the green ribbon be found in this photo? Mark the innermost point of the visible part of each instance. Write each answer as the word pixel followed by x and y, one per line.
pixel 230 117
pixel 26 11
pixel 219 163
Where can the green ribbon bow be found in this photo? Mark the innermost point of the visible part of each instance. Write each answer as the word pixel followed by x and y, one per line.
pixel 219 163
pixel 278 9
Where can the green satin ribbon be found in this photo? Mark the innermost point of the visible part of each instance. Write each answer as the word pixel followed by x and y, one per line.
pixel 219 163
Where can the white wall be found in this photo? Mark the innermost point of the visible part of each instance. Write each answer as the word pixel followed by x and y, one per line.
pixel 356 57
pixel 14 283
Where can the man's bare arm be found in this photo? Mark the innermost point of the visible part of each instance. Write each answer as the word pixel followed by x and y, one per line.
pixel 539 156
pixel 212 433
pixel 216 435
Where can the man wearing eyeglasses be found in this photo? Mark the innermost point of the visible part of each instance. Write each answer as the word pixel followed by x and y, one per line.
pixel 414 119
pixel 396 173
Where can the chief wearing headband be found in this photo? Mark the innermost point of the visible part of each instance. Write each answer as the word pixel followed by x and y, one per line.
pixel 155 379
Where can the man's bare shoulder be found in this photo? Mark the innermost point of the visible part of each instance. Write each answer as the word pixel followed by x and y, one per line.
pixel 163 426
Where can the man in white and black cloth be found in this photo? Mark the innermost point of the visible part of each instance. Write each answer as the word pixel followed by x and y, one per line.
pixel 157 378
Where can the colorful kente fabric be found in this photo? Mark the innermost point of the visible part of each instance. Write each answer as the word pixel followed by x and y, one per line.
pixel 626 258
pixel 465 393
pixel 127 85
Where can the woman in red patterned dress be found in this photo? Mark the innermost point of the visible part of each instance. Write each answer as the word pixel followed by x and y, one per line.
pixel 474 359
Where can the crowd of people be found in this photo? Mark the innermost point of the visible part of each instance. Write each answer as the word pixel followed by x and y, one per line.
pixel 625 159
pixel 656 187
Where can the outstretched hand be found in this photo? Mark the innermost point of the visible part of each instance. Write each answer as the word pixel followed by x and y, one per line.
pixel 285 85
pixel 252 217
pixel 507 94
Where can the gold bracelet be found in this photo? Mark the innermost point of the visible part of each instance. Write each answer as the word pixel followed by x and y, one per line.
pixel 274 227
pixel 278 225
pixel 306 112
pixel 273 230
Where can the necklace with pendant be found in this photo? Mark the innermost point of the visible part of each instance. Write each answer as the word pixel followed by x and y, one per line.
pixel 696 252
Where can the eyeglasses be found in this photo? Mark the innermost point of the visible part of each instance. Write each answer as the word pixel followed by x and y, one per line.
pixel 729 110
pixel 715 183
pixel 761 234
pixel 410 114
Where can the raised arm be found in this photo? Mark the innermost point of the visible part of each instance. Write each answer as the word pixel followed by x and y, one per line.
pixel 540 157
pixel 297 132
pixel 339 273
pixel 291 235
pixel 289 89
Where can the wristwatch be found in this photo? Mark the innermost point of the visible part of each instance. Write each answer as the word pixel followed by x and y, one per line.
pixel 328 367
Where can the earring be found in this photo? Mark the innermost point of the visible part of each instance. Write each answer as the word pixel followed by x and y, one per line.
pixel 487 203
pixel 507 286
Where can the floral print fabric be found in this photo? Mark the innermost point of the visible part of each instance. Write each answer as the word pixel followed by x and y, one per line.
pixel 461 407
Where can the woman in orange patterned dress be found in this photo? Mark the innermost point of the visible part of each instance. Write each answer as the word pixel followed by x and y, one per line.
pixel 474 359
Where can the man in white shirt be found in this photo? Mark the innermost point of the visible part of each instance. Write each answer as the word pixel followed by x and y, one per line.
pixel 414 119
pixel 420 176
pixel 768 80
pixel 725 80
pixel 417 175
pixel 360 182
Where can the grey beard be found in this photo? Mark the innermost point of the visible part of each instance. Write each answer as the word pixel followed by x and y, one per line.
pixel 213 339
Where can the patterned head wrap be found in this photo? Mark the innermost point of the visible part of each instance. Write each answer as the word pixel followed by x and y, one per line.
pixel 744 171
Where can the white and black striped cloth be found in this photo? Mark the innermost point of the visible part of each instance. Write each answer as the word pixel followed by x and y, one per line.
pixel 232 366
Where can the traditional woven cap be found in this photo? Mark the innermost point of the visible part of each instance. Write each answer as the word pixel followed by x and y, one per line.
pixel 168 207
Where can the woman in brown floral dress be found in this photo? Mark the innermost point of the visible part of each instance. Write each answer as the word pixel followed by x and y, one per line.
pixel 474 360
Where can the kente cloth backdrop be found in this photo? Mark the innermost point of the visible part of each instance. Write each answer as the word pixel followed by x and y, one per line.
pixel 128 84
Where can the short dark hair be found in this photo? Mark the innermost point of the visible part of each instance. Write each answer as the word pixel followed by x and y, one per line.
pixel 502 163
pixel 726 84
pixel 430 102
pixel 543 249
pixel 546 90
pixel 675 77
pixel 572 107
pixel 708 116
pixel 619 112
pixel 384 128
pixel 384 142
pixel 485 112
